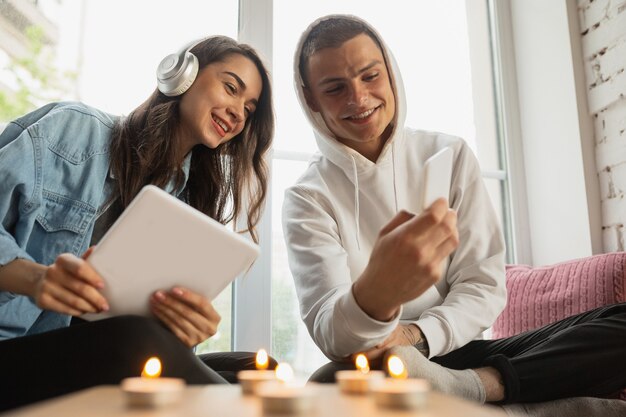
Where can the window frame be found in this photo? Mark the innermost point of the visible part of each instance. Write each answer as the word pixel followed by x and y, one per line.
pixel 252 293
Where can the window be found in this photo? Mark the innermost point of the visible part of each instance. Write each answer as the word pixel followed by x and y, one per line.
pixel 443 50
pixel 123 42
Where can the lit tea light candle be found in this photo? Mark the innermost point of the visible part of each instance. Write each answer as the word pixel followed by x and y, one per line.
pixel 360 380
pixel 398 391
pixel 283 396
pixel 150 390
pixel 251 379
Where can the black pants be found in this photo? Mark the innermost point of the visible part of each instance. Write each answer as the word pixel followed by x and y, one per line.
pixel 582 355
pixel 46 365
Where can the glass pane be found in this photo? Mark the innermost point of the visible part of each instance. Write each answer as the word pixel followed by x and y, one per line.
pixel 221 341
pixel 494 188
pixel 118 66
pixel 105 53
pixel 290 339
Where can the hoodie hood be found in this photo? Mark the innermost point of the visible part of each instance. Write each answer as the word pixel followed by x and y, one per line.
pixel 338 153
pixel 351 162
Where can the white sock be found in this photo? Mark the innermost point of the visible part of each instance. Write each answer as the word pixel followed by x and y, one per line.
pixel 462 383
pixel 570 407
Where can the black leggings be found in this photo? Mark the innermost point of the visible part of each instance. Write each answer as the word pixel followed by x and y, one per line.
pixel 41 366
pixel 582 355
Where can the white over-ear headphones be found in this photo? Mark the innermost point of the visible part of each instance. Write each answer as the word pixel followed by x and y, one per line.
pixel 176 72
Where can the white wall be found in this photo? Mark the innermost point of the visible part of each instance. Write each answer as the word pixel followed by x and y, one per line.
pixel 556 132
pixel 603 33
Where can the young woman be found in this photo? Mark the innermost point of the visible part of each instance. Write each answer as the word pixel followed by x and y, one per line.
pixel 67 172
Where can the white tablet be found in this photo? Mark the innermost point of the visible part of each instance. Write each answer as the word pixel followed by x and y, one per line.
pixel 159 242
pixel 437 177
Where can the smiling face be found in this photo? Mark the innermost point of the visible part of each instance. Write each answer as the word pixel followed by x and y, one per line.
pixel 349 86
pixel 215 109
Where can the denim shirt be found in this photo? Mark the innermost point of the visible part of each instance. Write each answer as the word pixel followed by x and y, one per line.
pixel 54 182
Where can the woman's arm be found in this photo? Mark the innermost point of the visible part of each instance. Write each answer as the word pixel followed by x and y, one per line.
pixel 69 286
pixel 21 276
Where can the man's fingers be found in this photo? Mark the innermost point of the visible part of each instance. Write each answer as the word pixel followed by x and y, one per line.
pixel 439 206
pixel 433 215
pixel 401 217
pixel 442 231
pixel 375 353
pixel 419 226
pixel 447 247
pixel 391 339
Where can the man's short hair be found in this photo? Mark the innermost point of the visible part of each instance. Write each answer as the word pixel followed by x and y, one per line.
pixel 331 33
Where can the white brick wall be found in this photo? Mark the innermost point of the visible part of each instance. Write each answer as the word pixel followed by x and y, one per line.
pixel 603 27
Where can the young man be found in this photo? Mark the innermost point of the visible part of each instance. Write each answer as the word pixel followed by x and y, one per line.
pixel 372 277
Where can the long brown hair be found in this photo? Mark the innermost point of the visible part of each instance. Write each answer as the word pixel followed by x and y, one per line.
pixel 146 149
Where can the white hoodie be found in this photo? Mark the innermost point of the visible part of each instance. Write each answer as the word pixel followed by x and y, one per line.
pixel 332 217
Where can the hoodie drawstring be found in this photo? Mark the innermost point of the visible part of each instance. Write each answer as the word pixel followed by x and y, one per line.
pixel 393 170
pixel 356 202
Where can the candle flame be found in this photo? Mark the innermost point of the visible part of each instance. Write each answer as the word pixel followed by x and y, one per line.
pixel 152 368
pixel 396 367
pixel 262 361
pixel 284 372
pixel 361 363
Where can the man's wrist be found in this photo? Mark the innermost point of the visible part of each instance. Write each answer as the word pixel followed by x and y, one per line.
pixel 372 306
pixel 420 343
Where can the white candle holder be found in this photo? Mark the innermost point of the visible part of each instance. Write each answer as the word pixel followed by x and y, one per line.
pixel 152 392
pixel 357 382
pixel 401 393
pixel 281 398
pixel 250 380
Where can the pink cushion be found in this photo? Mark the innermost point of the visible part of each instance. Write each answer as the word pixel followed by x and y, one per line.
pixel 542 295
